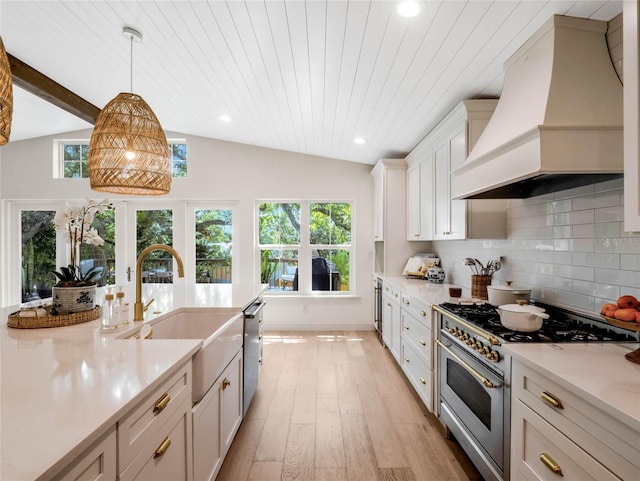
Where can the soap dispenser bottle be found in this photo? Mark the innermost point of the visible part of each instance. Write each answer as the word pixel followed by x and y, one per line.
pixel 107 311
pixel 120 309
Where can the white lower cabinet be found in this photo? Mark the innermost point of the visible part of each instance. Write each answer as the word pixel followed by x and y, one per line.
pixel 391 318
pixel 97 463
pixel 417 347
pixel 216 419
pixel 556 434
pixel 154 438
pixel 167 456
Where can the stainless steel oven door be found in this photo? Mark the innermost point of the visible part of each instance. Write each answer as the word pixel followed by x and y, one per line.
pixel 475 394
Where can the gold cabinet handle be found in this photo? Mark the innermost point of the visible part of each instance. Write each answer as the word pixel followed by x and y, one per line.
pixel 225 383
pixel 160 450
pixel 389 304
pixel 422 342
pixel 416 235
pixel 423 314
pixel 406 302
pixel 406 327
pixel 422 380
pixel 161 403
pixel 551 464
pixel 260 359
pixel 551 400
pixel 406 359
pixel 260 337
pixel 395 294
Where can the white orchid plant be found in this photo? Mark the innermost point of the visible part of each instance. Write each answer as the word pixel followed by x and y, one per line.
pixel 75 224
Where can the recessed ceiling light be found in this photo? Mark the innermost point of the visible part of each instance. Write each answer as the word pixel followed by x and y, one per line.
pixel 225 118
pixel 359 140
pixel 408 8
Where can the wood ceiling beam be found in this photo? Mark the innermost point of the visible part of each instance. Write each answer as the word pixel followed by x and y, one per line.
pixel 40 85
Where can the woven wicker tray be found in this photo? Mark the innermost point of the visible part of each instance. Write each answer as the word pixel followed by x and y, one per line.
pixel 61 320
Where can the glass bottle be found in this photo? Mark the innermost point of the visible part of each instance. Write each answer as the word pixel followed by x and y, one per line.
pixel 107 310
pixel 120 309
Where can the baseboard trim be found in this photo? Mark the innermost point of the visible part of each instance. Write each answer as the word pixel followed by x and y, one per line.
pixel 274 326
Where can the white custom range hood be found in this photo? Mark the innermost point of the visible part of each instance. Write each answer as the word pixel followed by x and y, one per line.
pixel 558 123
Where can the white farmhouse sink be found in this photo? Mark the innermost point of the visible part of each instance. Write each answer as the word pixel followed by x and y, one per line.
pixel 221 330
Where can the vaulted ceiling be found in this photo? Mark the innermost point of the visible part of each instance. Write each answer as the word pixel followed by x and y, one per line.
pixel 305 76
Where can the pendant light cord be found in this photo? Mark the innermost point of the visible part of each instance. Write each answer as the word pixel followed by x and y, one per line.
pixel 131 64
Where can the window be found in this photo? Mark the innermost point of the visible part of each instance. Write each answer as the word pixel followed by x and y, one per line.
pixel 38 253
pixel 305 246
pixel 178 158
pixel 213 242
pixel 155 227
pixel 73 158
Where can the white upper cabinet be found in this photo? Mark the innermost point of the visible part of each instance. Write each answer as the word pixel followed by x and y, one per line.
pixel 444 150
pixel 631 118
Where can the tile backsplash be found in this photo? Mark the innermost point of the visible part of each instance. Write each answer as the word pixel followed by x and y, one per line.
pixel 568 247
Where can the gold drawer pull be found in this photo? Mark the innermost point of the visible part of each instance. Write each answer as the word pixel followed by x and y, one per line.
pixel 406 359
pixel 423 314
pixel 395 294
pixel 162 448
pixel 225 383
pixel 406 327
pixel 551 464
pixel 406 302
pixel 161 403
pixel 260 337
pixel 551 400
pixel 389 304
pixel 422 380
pixel 422 342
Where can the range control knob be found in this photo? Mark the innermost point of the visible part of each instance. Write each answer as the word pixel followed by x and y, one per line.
pixel 493 356
pixel 465 337
pixel 484 351
pixel 470 342
pixel 452 330
pixel 478 346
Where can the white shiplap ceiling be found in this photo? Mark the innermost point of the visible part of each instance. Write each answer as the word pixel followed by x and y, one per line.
pixel 304 76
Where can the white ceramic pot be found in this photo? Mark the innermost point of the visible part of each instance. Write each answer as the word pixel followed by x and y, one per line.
pixel 507 294
pixel 67 300
pixel 522 317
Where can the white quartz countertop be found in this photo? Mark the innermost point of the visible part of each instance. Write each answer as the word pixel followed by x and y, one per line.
pixel 61 388
pixel 597 372
pixel 429 292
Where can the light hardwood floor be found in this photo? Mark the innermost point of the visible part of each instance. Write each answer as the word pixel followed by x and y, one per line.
pixel 334 406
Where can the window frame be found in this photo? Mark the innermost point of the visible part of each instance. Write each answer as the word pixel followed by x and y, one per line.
pixel 58 156
pixel 305 249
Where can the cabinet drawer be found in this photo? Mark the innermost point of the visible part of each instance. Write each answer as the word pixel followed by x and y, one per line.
pixel 610 441
pixel 418 308
pixel 166 457
pixel 392 291
pixel 538 449
pixel 418 373
pixel 139 426
pixel 98 463
pixel 419 337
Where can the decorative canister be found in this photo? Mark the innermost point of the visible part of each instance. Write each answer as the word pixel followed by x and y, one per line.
pixel 67 300
pixel 436 274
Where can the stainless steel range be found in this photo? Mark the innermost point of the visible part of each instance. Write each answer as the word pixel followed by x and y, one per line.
pixel 474 374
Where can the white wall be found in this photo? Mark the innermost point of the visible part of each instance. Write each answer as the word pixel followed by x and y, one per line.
pixel 219 170
pixel 569 248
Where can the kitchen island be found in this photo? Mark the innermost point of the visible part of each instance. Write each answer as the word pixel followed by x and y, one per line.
pixel 63 388
pixel 575 411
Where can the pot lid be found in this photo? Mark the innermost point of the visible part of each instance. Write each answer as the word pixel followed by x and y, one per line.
pixel 520 308
pixel 510 288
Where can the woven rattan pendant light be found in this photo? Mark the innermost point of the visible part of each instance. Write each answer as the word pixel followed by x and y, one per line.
pixel 128 151
pixel 6 96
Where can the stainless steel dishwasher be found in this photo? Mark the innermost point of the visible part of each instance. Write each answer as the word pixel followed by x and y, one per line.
pixel 252 348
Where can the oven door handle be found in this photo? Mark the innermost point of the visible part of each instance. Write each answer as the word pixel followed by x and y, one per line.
pixel 466 365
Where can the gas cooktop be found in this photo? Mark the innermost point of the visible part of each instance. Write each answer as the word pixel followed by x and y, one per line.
pixel 562 326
